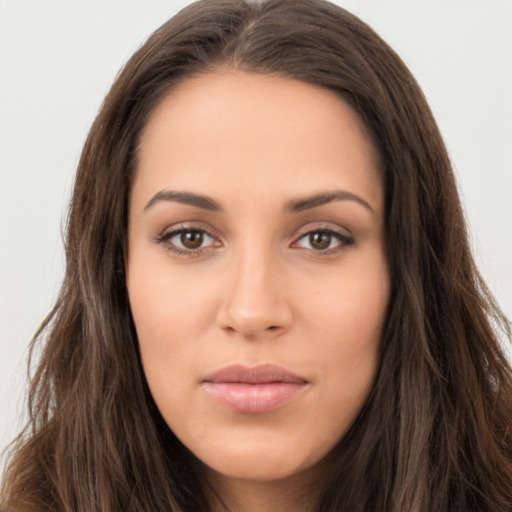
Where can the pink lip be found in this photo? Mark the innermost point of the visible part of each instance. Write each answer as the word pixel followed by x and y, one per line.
pixel 258 389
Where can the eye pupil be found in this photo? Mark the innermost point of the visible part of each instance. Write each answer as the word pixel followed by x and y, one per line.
pixel 320 240
pixel 192 239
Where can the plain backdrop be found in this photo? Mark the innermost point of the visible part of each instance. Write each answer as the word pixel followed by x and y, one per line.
pixel 59 57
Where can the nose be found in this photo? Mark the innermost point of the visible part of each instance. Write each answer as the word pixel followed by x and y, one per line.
pixel 255 303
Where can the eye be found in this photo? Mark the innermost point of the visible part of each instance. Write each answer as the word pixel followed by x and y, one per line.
pixel 187 240
pixel 324 240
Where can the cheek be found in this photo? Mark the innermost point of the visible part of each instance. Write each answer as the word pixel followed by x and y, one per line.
pixel 350 306
pixel 166 304
pixel 347 314
pixel 169 316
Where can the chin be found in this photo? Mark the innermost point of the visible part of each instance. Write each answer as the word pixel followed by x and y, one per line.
pixel 247 470
pixel 260 465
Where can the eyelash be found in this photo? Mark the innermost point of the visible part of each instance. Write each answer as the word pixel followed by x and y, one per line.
pixel 164 239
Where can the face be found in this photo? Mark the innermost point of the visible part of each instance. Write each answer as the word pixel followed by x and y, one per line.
pixel 256 270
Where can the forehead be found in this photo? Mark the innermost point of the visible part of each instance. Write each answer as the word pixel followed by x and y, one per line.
pixel 255 132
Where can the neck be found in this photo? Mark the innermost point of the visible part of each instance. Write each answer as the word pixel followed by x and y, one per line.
pixel 293 494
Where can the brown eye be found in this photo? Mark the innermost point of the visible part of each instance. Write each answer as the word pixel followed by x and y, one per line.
pixel 323 240
pixel 192 239
pixel 187 241
pixel 320 240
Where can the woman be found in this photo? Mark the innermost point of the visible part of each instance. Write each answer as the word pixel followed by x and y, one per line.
pixel 269 301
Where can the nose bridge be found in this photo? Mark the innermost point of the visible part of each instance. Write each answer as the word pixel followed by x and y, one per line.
pixel 255 302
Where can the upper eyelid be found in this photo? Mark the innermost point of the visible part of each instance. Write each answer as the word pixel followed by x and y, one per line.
pixel 342 238
pixel 188 226
pixel 331 227
pixel 173 232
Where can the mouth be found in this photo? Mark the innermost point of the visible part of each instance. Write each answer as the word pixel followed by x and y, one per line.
pixel 253 390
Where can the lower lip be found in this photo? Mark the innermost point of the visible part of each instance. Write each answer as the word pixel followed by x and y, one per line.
pixel 254 398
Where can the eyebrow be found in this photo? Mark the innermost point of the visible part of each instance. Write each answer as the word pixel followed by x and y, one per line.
pixel 293 206
pixel 299 205
pixel 200 201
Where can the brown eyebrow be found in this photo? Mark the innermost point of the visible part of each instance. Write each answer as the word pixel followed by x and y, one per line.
pixel 200 201
pixel 296 205
pixel 299 205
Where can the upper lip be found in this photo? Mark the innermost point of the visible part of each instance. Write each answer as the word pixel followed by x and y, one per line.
pixel 260 374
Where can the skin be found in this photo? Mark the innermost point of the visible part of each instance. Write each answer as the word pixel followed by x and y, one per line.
pixel 259 289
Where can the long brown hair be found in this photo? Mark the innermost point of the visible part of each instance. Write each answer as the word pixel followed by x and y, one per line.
pixel 436 432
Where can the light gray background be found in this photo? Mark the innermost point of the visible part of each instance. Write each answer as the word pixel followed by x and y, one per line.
pixel 59 57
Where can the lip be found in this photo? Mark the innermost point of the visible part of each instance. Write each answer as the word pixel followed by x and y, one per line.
pixel 256 389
